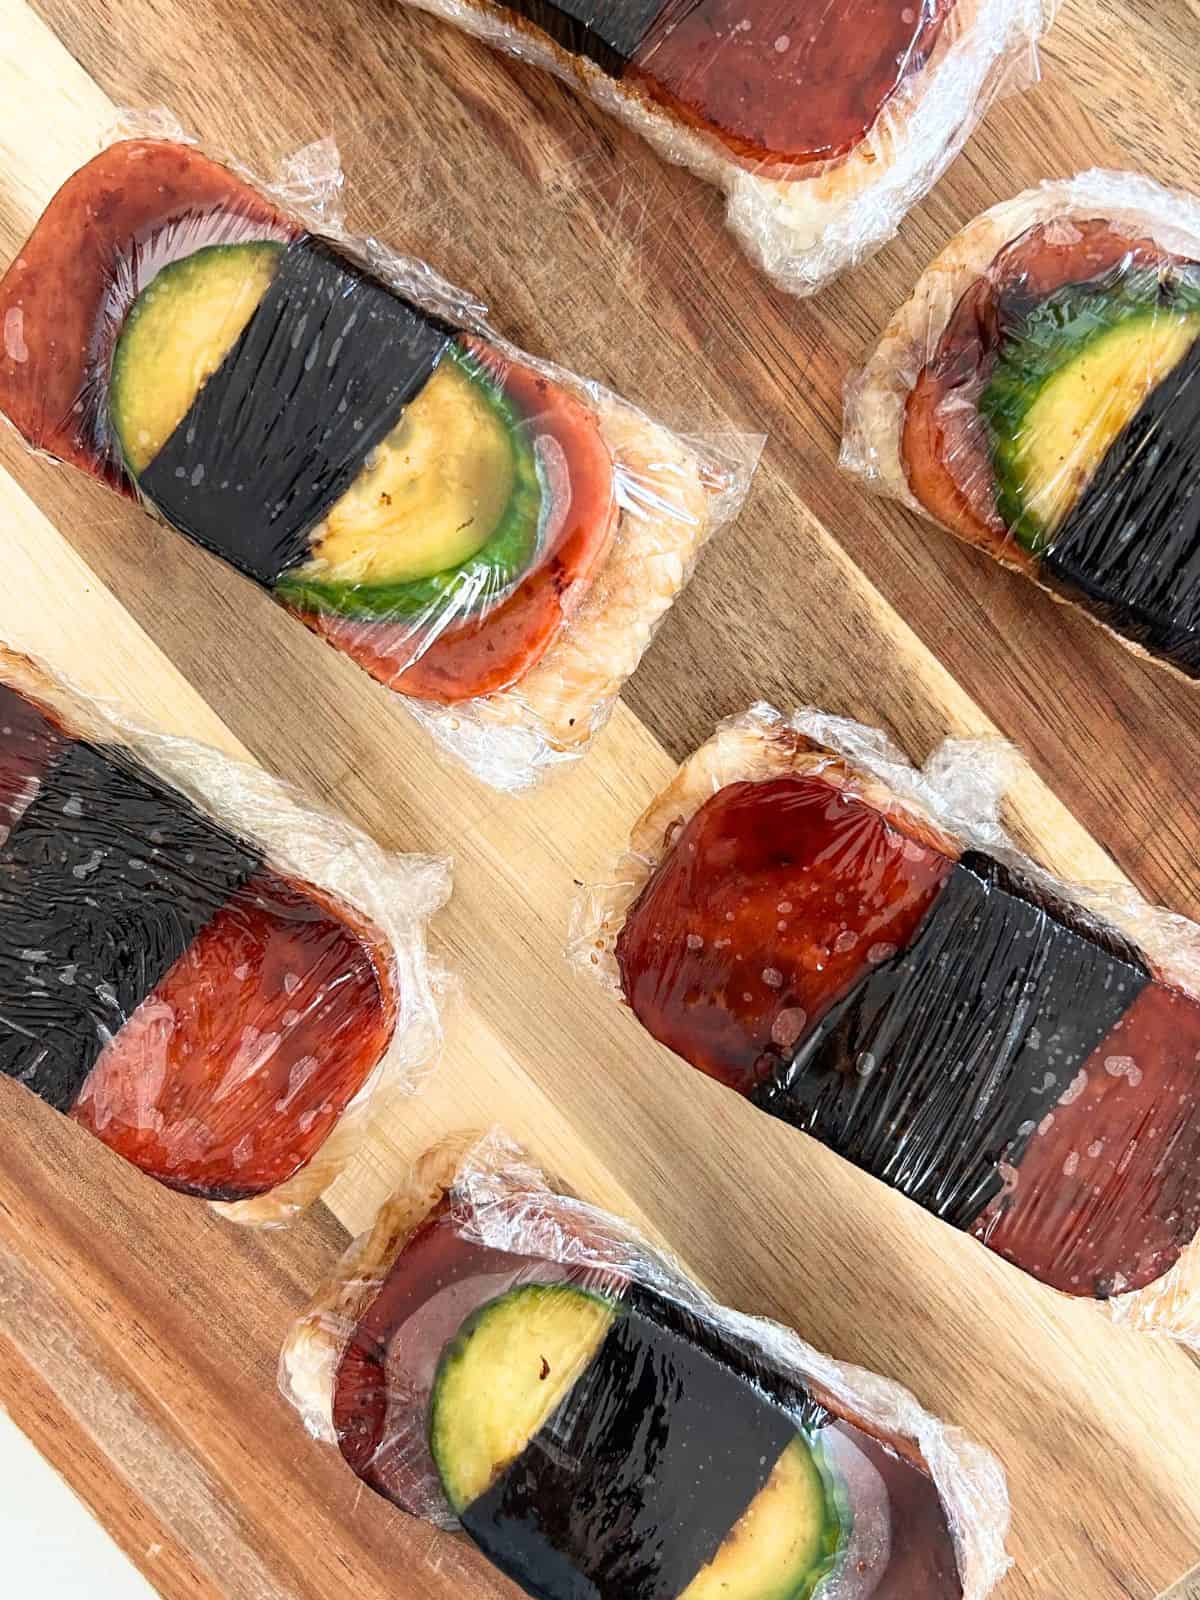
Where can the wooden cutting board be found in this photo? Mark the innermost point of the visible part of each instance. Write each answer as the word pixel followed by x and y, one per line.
pixel 138 1334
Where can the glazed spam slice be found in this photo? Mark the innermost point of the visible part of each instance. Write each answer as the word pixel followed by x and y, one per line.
pixel 206 1015
pixel 822 123
pixel 593 1432
pixel 1038 397
pixel 435 506
pixel 777 88
pixel 953 1023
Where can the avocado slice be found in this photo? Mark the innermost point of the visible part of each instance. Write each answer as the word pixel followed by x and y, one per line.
pixel 1068 379
pixel 503 1374
pixel 442 516
pixel 178 332
pixel 445 514
pixel 571 1430
pixel 786 1541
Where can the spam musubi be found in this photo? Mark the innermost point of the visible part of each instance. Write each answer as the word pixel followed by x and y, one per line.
pixel 822 124
pixel 485 534
pixel 808 926
pixel 206 1012
pixel 497 1358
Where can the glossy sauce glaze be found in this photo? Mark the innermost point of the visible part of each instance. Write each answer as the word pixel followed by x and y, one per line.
pixel 783 83
pixel 897 1544
pixel 773 900
pixel 989 1050
pixel 203 1016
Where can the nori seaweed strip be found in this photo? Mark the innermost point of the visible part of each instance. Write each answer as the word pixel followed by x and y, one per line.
pixel 1068 914
pixel 940 1064
pixel 319 377
pixel 637 1478
pixel 607 32
pixel 741 1356
pixel 105 880
pixel 1130 545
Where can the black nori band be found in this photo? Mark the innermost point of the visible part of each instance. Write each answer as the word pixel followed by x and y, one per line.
pixel 105 880
pixel 939 1064
pixel 1130 545
pixel 607 32
pixel 740 1356
pixel 637 1478
pixel 318 378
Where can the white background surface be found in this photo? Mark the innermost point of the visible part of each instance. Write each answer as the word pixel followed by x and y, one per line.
pixel 52 1546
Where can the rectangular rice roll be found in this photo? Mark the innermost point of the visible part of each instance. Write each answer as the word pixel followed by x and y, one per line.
pixel 495 1357
pixel 1039 397
pixel 211 1015
pixel 814 928
pixel 485 534
pixel 821 125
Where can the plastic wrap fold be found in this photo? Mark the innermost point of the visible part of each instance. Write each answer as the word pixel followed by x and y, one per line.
pixel 1037 396
pixel 491 537
pixel 215 979
pixel 857 947
pixel 499 1358
pixel 822 126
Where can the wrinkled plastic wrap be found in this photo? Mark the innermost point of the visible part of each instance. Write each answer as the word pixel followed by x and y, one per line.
pixel 822 126
pixel 486 534
pixel 211 977
pixel 500 1358
pixel 857 947
pixel 1037 396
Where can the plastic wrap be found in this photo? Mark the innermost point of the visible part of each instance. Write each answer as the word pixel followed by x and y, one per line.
pixel 212 978
pixel 1037 396
pixel 821 129
pixel 858 948
pixel 285 395
pixel 500 1358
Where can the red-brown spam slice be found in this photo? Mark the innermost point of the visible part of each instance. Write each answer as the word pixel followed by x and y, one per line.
pixel 774 898
pixel 140 202
pixel 233 1071
pixel 1107 1194
pixel 498 648
pixel 944 445
pixel 784 84
pixel 29 741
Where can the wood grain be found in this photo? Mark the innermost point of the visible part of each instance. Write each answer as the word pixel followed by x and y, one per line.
pixel 138 1335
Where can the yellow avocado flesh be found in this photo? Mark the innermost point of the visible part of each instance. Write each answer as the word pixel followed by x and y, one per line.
pixel 1084 407
pixel 504 1377
pixel 428 498
pixel 770 1551
pixel 181 328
